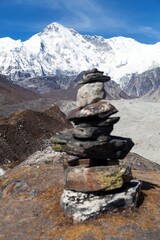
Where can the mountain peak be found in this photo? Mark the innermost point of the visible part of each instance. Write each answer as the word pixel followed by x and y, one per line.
pixel 54 26
pixel 58 49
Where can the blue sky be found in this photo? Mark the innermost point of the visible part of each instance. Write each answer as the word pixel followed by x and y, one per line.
pixel 138 19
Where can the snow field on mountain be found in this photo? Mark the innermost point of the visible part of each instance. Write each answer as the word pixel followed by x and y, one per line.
pixel 59 49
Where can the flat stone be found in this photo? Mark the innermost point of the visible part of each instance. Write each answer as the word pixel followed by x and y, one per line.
pixel 90 93
pixel 101 109
pixel 91 179
pixel 91 78
pixel 97 122
pixel 88 75
pixel 93 70
pixel 82 206
pixel 92 133
pixel 113 148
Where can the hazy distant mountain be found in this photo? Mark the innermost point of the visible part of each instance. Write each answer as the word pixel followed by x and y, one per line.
pixel 58 50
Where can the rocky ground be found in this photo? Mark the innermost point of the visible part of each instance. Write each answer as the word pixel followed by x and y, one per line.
pixel 24 132
pixel 30 209
pixel 140 121
pixel 30 192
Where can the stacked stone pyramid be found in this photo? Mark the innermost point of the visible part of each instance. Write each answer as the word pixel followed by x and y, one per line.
pixel 94 180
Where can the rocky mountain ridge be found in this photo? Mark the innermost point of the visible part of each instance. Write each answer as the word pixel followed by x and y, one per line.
pixel 59 50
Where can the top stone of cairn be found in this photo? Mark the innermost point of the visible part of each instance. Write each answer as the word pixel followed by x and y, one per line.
pixel 92 76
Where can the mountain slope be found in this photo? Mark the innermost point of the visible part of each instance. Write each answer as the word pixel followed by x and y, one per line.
pixel 12 93
pixel 24 132
pixel 147 82
pixel 58 50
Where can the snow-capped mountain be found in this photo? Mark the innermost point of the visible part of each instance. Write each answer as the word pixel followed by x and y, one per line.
pixel 61 50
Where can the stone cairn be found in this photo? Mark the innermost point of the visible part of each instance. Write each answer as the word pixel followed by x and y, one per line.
pixel 95 181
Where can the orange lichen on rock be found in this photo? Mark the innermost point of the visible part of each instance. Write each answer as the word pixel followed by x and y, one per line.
pixel 40 217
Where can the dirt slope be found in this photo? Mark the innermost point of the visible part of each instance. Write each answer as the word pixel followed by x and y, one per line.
pixel 24 132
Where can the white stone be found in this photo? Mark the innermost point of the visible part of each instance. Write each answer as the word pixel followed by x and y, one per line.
pixel 90 93
pixel 82 206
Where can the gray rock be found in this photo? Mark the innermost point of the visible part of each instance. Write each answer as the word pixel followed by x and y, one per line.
pixel 89 162
pixel 90 93
pixel 100 109
pixel 92 133
pixel 112 148
pixel 90 75
pixel 90 78
pixel 82 206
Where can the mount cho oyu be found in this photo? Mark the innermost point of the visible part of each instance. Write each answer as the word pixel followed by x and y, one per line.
pixel 59 50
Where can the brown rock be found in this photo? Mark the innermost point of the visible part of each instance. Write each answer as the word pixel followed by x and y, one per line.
pixel 90 179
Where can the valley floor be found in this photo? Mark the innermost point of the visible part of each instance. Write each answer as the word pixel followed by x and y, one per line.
pixel 140 120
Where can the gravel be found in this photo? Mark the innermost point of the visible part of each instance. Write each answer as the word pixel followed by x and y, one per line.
pixel 140 120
